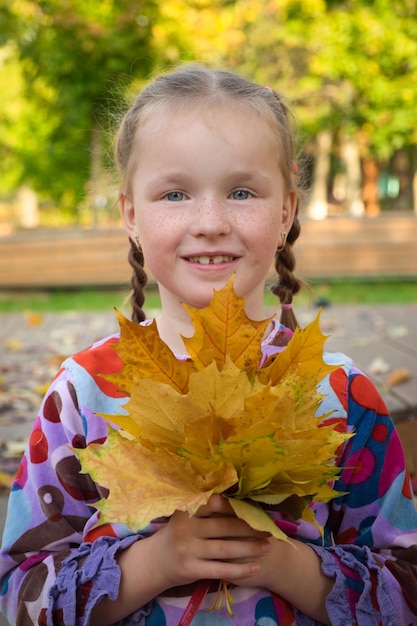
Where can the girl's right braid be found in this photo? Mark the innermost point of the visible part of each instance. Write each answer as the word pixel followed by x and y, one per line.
pixel 288 284
pixel 138 281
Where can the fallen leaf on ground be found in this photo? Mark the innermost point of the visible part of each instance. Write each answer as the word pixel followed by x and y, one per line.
pixel 6 480
pixel 397 377
pixel 397 331
pixel 14 344
pixel 34 319
pixel 379 366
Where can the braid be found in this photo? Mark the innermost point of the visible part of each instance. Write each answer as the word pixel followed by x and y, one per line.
pixel 288 285
pixel 138 280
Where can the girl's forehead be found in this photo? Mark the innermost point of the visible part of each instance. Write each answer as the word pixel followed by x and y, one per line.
pixel 211 112
pixel 238 126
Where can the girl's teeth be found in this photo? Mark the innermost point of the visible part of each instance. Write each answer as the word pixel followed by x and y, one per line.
pixel 207 260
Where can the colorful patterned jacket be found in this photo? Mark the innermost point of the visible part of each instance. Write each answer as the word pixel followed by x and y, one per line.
pixel 55 566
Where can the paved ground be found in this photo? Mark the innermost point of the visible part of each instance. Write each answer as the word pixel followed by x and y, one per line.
pixel 381 339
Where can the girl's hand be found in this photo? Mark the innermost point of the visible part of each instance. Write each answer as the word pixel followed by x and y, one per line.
pixel 214 544
pixel 292 570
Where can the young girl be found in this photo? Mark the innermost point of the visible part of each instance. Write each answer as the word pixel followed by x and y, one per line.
pixel 208 190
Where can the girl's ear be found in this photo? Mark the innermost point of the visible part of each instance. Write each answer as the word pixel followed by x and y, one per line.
pixel 288 210
pixel 127 213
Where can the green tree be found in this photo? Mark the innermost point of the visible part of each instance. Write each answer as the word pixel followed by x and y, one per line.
pixel 76 58
pixel 350 66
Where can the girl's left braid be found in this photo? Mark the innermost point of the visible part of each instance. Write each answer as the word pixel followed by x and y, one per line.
pixel 138 281
pixel 287 284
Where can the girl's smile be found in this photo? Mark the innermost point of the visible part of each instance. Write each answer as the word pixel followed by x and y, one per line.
pixel 211 258
pixel 208 200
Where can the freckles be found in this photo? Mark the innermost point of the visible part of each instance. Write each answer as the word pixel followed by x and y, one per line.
pixel 264 215
pixel 154 223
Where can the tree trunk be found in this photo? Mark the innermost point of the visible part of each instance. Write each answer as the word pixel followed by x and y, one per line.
pixel 414 181
pixel 96 168
pixel 403 167
pixel 27 208
pixel 317 207
pixel 351 157
pixel 370 187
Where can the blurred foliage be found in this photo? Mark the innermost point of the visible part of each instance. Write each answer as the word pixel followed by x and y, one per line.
pixel 75 59
pixel 350 66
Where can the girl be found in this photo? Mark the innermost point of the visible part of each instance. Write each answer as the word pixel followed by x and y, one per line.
pixel 208 190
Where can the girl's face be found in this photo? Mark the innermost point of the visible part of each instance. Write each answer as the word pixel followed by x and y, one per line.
pixel 208 201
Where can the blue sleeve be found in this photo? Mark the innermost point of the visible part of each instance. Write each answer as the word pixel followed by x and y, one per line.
pixel 372 528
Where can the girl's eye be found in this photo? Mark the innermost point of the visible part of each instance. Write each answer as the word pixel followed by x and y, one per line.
pixel 241 194
pixel 175 196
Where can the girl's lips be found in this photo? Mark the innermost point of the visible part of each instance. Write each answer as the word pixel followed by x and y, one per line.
pixel 216 259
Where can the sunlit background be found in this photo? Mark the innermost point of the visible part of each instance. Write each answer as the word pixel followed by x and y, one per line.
pixel 67 66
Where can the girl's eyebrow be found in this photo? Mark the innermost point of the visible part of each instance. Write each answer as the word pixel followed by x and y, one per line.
pixel 172 178
pixel 178 178
pixel 248 175
pixel 232 175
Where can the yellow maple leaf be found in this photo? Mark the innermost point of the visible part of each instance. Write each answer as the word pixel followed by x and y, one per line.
pixel 145 485
pixel 303 354
pixel 223 328
pixel 221 423
pixel 145 355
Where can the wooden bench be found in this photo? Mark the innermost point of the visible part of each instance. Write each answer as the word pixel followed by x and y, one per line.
pixel 382 247
pixel 336 247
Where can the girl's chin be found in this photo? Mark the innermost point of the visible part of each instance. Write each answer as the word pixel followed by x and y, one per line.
pixel 200 299
pixel 201 303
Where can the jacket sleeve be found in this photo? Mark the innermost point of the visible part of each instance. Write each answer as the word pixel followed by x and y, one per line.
pixel 50 572
pixel 372 551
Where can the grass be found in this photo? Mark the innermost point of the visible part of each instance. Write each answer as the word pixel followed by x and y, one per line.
pixel 359 292
pixel 337 292
pixel 58 300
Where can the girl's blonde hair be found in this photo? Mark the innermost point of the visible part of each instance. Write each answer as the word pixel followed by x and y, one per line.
pixel 184 89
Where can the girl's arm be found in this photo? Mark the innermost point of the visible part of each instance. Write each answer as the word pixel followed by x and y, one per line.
pixel 374 525
pixel 293 571
pixel 216 545
pixel 370 556
pixel 213 544
pixel 50 571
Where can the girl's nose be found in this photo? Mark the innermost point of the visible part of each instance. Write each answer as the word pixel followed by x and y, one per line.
pixel 211 219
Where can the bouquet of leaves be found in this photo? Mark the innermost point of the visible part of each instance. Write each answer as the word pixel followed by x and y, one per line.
pixel 221 421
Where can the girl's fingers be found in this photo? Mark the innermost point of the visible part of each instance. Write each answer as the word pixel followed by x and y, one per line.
pixel 223 520
pixel 233 550
pixel 217 505
pixel 227 528
pixel 230 570
pixel 195 548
